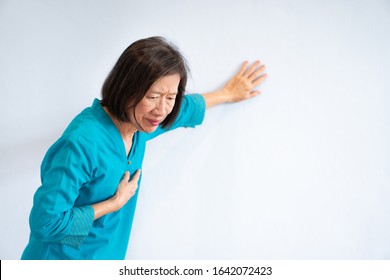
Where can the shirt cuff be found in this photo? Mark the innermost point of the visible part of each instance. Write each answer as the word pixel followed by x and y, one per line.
pixel 82 224
pixel 198 110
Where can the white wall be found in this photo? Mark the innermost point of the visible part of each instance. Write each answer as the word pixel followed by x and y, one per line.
pixel 300 172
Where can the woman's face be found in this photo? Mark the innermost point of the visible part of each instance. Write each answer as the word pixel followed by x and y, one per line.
pixel 157 103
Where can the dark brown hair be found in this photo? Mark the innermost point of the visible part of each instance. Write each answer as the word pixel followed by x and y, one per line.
pixel 142 64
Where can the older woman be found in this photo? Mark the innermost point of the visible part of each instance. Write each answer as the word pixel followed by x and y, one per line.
pixel 85 206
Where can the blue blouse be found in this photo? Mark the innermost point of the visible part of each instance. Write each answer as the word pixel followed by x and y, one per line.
pixel 82 168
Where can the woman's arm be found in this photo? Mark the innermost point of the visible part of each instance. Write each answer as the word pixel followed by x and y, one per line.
pixel 54 217
pixel 239 87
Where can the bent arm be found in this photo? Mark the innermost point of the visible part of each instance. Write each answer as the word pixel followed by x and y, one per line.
pixel 240 87
pixel 54 216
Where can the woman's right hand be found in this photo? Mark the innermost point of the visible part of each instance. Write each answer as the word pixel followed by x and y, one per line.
pixel 126 189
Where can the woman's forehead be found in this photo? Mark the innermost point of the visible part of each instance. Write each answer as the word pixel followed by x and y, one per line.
pixel 167 84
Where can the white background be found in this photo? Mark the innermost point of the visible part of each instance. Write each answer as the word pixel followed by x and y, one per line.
pixel 300 172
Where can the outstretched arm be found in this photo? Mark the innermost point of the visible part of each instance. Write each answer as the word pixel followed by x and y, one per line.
pixel 240 87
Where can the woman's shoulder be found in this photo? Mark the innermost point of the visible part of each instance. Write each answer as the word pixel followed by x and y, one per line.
pixel 84 124
pixel 91 123
pixel 85 135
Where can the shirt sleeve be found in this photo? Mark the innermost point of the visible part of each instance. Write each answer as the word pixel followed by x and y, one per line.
pixel 54 216
pixel 191 114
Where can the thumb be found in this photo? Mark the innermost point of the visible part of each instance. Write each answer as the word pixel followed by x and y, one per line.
pixel 254 93
pixel 136 175
pixel 126 176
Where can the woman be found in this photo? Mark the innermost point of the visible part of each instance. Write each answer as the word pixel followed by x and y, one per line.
pixel 80 211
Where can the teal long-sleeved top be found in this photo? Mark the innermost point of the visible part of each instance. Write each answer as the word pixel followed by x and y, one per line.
pixel 82 168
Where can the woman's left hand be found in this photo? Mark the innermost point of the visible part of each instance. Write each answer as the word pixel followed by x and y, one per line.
pixel 242 85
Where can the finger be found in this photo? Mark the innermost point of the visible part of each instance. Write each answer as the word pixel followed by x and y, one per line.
pixel 259 80
pixel 254 93
pixel 126 176
pixel 252 68
pixel 136 176
pixel 243 68
pixel 257 73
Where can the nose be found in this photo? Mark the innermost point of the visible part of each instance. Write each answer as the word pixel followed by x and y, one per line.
pixel 161 107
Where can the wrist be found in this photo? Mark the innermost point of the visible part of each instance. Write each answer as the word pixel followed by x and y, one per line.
pixel 105 207
pixel 217 97
pixel 115 203
pixel 225 96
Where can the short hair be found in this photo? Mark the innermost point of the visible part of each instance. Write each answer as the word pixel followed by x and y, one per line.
pixel 142 64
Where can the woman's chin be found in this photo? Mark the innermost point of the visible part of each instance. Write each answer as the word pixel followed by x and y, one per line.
pixel 150 129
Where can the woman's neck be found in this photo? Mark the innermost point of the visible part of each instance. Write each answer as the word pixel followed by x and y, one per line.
pixel 126 129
